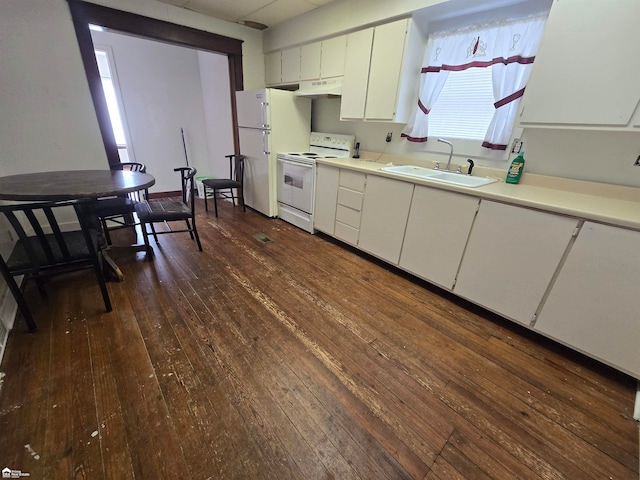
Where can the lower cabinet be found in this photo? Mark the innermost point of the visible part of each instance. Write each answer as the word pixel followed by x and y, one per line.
pixel 324 212
pixel 349 205
pixel 511 258
pixel 594 304
pixel 384 217
pixel 436 234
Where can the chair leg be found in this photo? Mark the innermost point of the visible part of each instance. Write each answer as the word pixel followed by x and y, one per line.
pixel 17 295
pixel 233 198
pixel 189 228
pixel 153 231
pixel 206 205
pixel 105 230
pixel 244 207
pixel 97 267
pixel 215 203
pixel 145 235
pixel 195 232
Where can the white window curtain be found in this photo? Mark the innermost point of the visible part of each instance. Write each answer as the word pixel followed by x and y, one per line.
pixel 508 47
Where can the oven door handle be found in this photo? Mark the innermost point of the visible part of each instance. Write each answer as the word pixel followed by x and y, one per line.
pixel 297 164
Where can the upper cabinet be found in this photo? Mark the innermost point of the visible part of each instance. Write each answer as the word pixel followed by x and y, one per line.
pixel 586 71
pixel 310 58
pixel 333 57
pixel 314 61
pixel 291 65
pixel 382 70
pixel 273 68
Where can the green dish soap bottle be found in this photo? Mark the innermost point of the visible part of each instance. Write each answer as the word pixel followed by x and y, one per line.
pixel 516 168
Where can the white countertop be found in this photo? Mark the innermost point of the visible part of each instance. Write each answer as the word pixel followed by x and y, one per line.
pixel 612 204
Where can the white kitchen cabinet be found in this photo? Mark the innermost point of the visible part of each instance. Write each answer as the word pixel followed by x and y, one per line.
pixel 587 67
pixel 594 303
pixel 436 235
pixel 333 55
pixel 324 214
pixel 272 68
pixel 351 185
pixel 382 70
pixel 511 257
pixel 356 74
pixel 310 60
pixel 291 65
pixel 384 217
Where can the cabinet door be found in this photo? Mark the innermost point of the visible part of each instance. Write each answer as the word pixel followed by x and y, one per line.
pixel 324 214
pixel 511 257
pixel 586 69
pixel 594 304
pixel 384 216
pixel 273 68
pixel 356 74
pixel 384 73
pixel 437 231
pixel 291 65
pixel 310 61
pixel 333 55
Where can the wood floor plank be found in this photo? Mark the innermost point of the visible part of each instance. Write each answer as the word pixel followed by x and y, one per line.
pixel 300 358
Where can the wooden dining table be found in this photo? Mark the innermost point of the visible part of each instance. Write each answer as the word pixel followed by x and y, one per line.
pixel 75 184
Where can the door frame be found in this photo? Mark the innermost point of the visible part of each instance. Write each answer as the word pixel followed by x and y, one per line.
pixel 84 13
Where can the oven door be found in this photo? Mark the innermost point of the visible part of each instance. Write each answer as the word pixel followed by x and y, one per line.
pixel 296 184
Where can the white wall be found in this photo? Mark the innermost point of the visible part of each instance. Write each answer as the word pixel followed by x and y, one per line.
pixel 161 92
pixel 598 156
pixel 47 120
pixel 214 77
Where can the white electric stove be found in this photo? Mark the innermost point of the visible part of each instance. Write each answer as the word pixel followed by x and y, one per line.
pixel 297 176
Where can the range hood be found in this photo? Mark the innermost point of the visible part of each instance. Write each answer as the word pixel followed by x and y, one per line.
pixel 320 88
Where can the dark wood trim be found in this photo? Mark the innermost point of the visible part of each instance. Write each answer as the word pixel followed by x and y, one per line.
pixel 84 13
pixel 97 93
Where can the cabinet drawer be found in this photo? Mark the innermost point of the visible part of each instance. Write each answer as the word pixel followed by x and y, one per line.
pixel 350 198
pixel 346 233
pixel 352 180
pixel 348 216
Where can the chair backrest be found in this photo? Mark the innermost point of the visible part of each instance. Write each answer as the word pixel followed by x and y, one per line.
pixel 39 249
pixel 236 168
pixel 131 166
pixel 138 195
pixel 187 181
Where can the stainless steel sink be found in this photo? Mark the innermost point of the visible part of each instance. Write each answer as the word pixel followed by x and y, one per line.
pixel 438 175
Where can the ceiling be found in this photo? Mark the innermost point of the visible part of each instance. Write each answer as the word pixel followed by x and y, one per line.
pixel 253 13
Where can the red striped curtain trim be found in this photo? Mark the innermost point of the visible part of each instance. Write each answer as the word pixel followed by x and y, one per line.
pixel 509 99
pixel 424 109
pixel 493 146
pixel 414 139
pixel 465 66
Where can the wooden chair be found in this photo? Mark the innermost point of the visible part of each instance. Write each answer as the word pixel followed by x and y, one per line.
pixel 235 181
pixel 165 211
pixel 120 210
pixel 37 254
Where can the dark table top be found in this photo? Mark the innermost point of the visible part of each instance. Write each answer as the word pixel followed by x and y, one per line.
pixel 72 184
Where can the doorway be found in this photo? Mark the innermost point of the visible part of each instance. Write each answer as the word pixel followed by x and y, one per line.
pixel 84 14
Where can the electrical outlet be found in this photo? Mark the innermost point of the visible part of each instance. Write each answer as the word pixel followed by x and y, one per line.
pixel 389 135
pixel 637 162
pixel 517 146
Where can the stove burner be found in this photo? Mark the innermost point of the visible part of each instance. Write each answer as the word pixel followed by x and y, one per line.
pixel 304 154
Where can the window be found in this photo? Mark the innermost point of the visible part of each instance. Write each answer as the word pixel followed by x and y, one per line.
pixel 109 86
pixel 464 108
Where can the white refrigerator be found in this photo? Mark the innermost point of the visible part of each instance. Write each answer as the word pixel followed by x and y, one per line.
pixel 270 121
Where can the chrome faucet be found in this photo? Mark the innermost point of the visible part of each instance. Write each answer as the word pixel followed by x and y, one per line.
pixel 450 152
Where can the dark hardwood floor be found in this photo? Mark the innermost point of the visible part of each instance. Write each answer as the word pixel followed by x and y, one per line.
pixel 295 359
